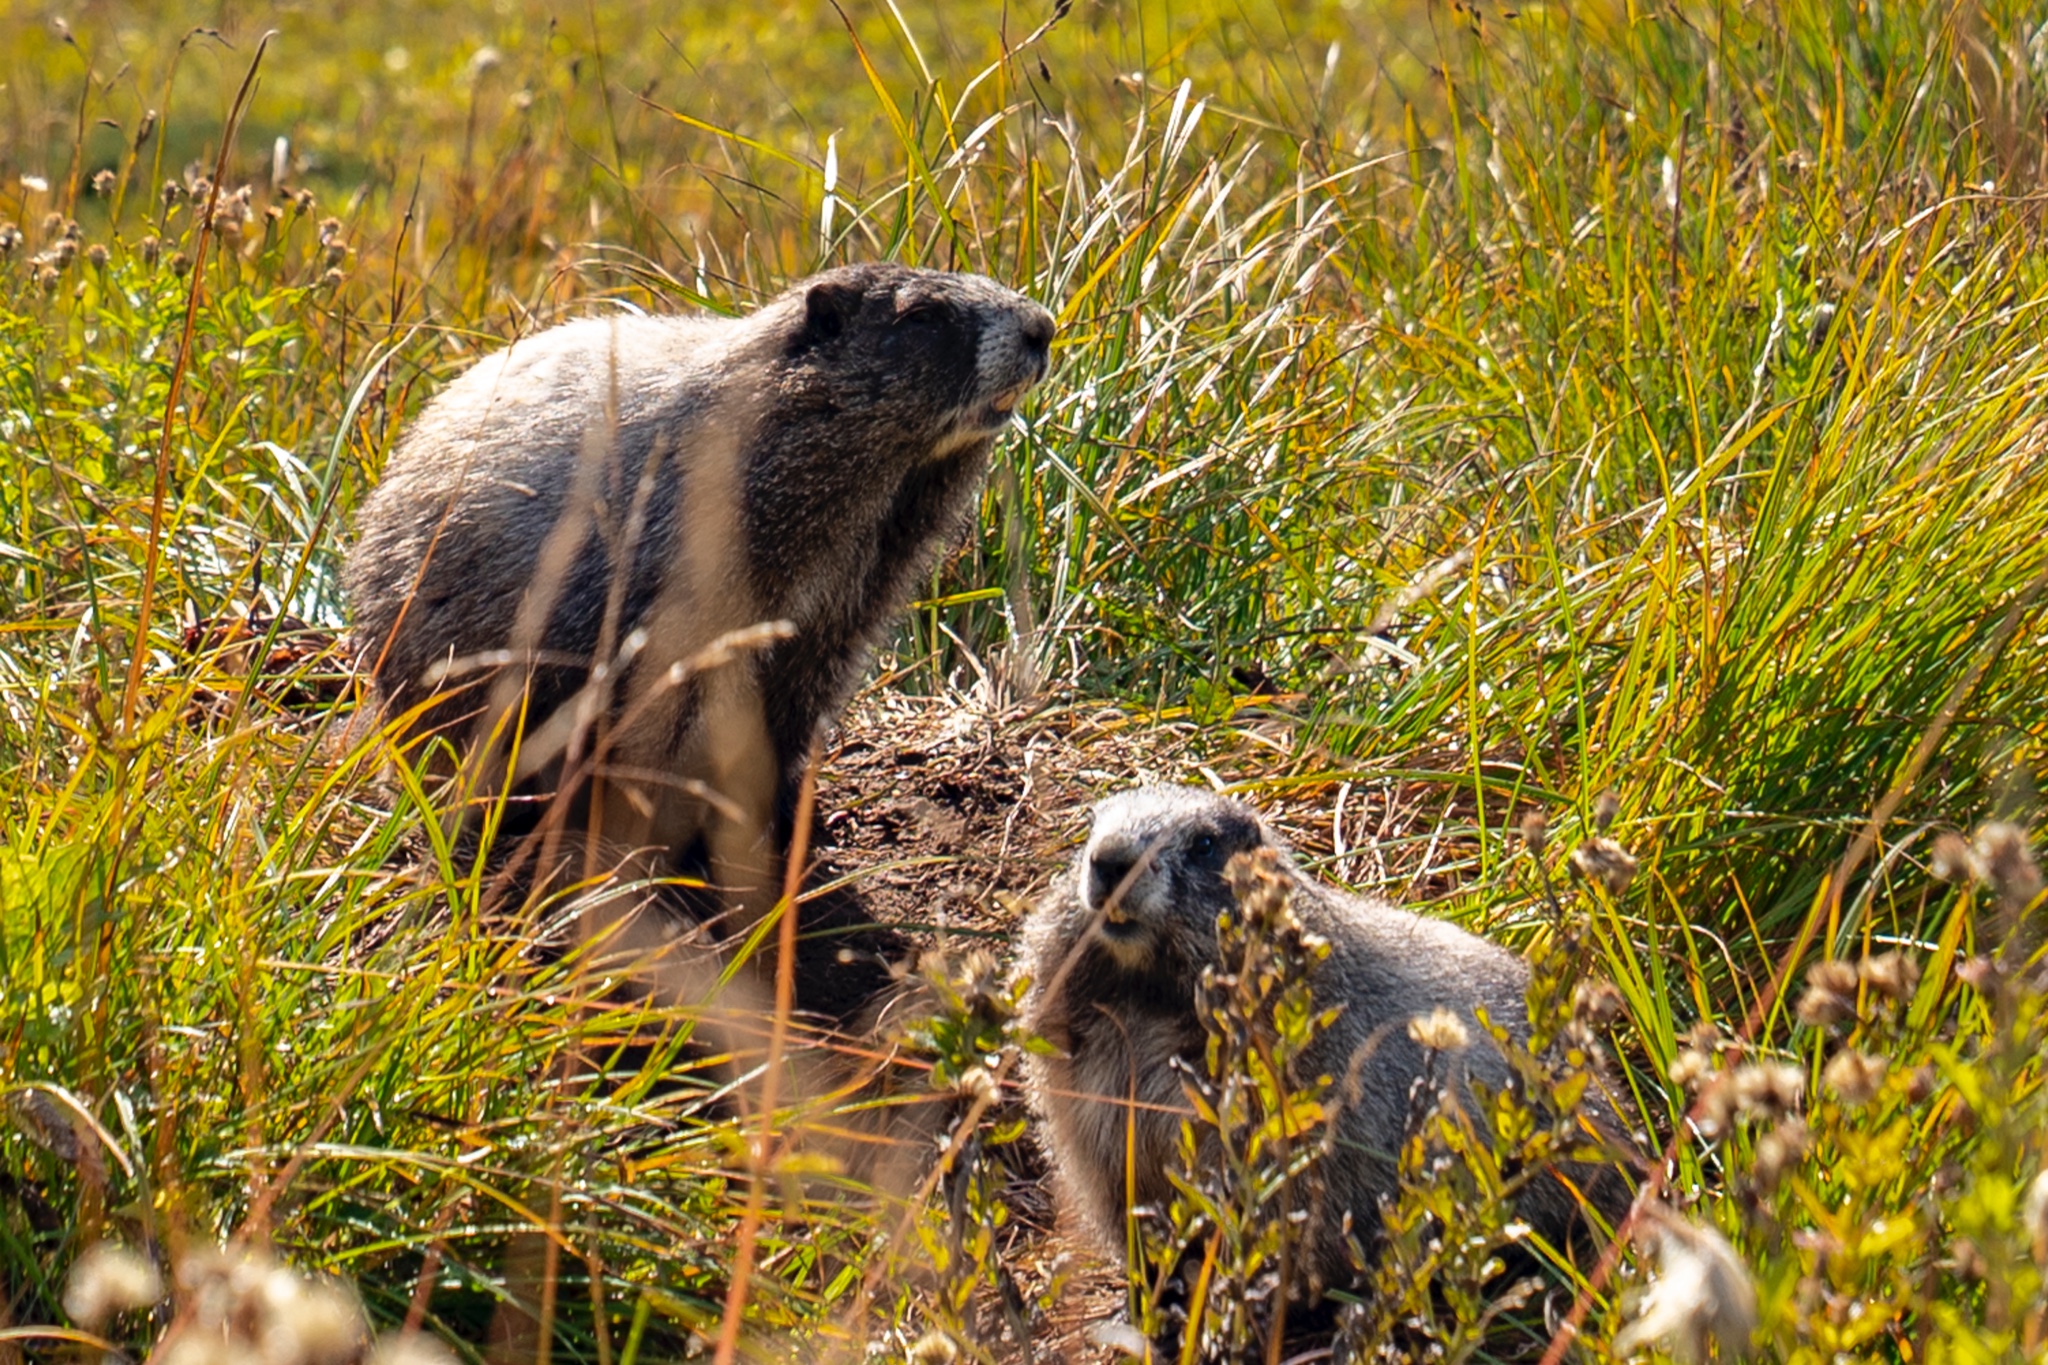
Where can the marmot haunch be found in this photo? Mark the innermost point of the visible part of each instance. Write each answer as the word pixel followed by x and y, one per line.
pixel 575 534
pixel 1112 982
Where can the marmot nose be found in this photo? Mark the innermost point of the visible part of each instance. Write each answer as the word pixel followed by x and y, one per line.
pixel 1039 329
pixel 1106 872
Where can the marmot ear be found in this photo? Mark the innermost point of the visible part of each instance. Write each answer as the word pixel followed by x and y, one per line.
pixel 829 306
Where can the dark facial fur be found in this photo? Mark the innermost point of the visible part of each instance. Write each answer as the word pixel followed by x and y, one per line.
pixel 1113 954
pixel 1149 884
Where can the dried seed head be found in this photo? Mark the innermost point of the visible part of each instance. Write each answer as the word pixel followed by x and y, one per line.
pixel 231 212
pixel 315 1322
pixel 1440 1031
pixel 103 183
pixel 145 128
pixel 2034 1219
pixel 1606 807
pixel 1833 975
pixel 96 256
pixel 1596 1003
pixel 1259 881
pixel 332 279
pixel 1854 1076
pixel 1952 860
pixel 1702 1295
pixel 1966 1260
pixel 1689 1067
pixel 2008 864
pixel 1893 975
pixel 1981 974
pixel 173 191
pixel 303 201
pixel 409 1348
pixel 1535 830
pixel 247 1306
pixel 1604 861
pixel 10 238
pixel 1830 996
pixel 1779 1150
pixel 934 1348
pixel 48 278
pixel 330 231
pixel 1714 1113
pixel 149 249
pixel 181 264
pixel 1769 1089
pixel 108 1279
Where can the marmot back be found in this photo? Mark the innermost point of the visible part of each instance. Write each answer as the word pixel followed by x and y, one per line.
pixel 1114 953
pixel 598 512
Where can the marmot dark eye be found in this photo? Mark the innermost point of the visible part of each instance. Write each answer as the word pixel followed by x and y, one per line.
pixel 1203 845
pixel 922 315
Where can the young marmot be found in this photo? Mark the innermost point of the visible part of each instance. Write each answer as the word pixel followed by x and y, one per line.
pixel 1114 952
pixel 569 546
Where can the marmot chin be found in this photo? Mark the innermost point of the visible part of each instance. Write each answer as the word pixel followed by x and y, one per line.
pixel 570 544
pixel 1114 953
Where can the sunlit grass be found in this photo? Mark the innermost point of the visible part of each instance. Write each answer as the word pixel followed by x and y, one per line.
pixel 1542 404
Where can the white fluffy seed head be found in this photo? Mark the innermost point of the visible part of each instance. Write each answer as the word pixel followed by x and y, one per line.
pixel 247 1308
pixel 2034 1218
pixel 1440 1030
pixel 409 1348
pixel 1702 1294
pixel 107 1279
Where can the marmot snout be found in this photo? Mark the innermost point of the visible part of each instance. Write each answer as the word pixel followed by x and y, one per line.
pixel 1114 952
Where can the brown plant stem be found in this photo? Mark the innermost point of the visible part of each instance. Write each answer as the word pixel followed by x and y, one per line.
pixel 778 1042
pixel 131 693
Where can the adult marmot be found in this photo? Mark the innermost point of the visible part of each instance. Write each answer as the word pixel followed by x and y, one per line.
pixel 1114 952
pixel 569 547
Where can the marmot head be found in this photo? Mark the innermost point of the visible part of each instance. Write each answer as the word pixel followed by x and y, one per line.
pixel 950 353
pixel 1150 880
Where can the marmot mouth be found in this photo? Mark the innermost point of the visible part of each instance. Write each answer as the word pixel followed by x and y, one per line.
pixel 999 410
pixel 1117 923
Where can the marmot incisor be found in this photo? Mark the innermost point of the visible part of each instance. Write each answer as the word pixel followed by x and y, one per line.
pixel 1112 988
pixel 630 491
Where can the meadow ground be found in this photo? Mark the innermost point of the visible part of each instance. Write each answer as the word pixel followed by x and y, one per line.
pixel 1459 412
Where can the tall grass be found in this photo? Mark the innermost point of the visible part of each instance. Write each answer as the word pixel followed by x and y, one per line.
pixel 1542 402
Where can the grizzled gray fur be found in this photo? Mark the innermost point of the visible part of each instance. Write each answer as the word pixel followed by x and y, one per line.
pixel 1114 952
pixel 684 477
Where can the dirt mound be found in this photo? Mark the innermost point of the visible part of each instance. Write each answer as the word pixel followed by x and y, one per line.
pixel 944 818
